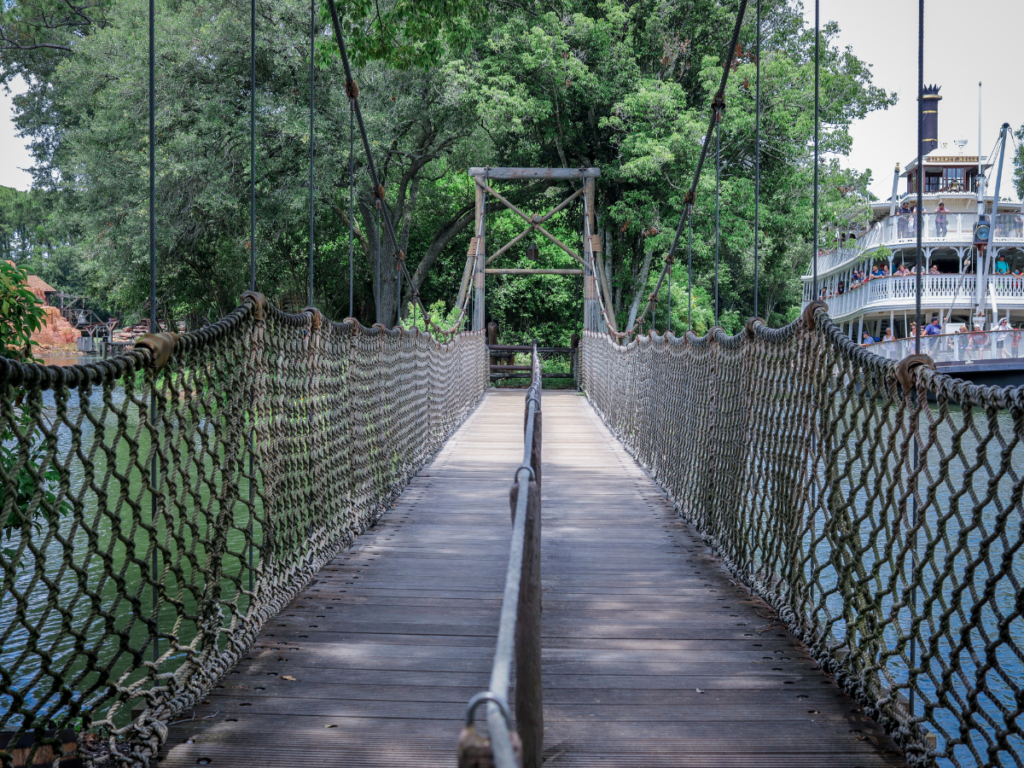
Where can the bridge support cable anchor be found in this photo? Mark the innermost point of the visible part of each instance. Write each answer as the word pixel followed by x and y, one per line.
pixel 520 621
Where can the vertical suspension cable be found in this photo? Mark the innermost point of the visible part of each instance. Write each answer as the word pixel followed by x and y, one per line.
pixel 817 96
pixel 252 251
pixel 689 271
pixel 917 337
pixel 152 300
pixel 312 83
pixel 718 197
pixel 252 145
pixel 351 204
pixel 376 293
pixel 757 159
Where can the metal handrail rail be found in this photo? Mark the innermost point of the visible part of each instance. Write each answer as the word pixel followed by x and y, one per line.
pixel 517 638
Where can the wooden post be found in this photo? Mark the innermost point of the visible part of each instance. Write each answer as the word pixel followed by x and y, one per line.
pixel 591 308
pixel 479 276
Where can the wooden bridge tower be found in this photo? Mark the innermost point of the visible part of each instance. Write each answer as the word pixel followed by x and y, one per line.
pixel 477 260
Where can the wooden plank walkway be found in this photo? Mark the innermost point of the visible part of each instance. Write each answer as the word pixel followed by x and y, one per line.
pixel 652 656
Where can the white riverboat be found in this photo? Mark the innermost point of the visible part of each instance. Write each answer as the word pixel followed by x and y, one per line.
pixel 869 283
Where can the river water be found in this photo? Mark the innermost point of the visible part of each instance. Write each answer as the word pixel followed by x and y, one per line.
pixel 83 593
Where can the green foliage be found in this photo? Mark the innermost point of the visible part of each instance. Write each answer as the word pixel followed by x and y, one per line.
pixel 414 318
pixel 35 501
pixel 22 454
pixel 624 85
pixel 408 33
pixel 21 313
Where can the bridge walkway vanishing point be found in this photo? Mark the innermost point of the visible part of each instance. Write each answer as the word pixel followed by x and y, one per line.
pixel 652 655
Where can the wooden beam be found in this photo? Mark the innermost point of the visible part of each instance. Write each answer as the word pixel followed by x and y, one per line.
pixel 537 173
pixel 560 244
pixel 533 271
pixel 509 244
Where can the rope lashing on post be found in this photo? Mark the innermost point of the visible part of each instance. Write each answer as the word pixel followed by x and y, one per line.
pixel 796 466
pixel 246 411
pixel 718 101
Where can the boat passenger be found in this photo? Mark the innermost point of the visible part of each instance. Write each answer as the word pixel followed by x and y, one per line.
pixel 1002 268
pixel 1003 331
pixel 934 270
pixel 903 222
pixel 867 340
pixel 934 328
pixel 979 340
pixel 941 228
pixel 1015 335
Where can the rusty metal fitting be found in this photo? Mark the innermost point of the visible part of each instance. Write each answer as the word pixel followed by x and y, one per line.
pixel 317 317
pixel 352 89
pixel 810 309
pixel 688 200
pixel 160 345
pixel 258 300
pixel 749 327
pixel 379 325
pixel 718 104
pixel 905 369
pixel 378 191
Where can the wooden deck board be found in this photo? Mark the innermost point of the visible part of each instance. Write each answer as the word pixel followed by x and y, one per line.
pixel 652 656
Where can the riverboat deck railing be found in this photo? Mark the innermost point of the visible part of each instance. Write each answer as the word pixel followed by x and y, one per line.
pixel 956 291
pixel 887 531
pixel 966 348
pixel 144 546
pixel 938 229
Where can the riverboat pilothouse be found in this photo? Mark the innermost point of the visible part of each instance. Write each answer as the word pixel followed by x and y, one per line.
pixel 972 256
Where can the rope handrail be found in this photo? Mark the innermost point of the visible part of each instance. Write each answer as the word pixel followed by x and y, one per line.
pixel 519 623
pixel 278 438
pixel 790 450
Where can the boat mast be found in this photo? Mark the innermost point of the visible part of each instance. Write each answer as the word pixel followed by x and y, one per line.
pixel 983 272
pixel 895 190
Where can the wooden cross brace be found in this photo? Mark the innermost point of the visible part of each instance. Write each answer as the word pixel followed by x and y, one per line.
pixel 534 222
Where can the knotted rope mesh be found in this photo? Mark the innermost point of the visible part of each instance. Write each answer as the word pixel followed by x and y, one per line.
pixel 883 523
pixel 275 438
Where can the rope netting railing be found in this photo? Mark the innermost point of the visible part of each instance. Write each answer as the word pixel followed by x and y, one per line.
pixel 876 506
pixel 275 438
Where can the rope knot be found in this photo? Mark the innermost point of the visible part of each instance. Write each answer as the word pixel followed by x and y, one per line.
pixel 352 89
pixel 718 105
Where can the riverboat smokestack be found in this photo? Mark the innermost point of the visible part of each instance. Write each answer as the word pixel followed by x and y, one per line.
pixel 929 106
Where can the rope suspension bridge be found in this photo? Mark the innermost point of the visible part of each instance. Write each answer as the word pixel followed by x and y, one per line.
pixel 286 540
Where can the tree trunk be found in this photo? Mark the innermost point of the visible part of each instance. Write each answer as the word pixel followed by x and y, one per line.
pixel 385 290
pixel 640 290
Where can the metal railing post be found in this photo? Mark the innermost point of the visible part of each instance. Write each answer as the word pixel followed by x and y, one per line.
pixel 519 626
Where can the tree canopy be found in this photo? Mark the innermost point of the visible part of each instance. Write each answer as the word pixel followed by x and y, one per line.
pixel 624 85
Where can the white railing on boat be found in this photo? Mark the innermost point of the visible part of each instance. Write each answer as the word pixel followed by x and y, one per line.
pixel 958 347
pixel 956 291
pixel 899 231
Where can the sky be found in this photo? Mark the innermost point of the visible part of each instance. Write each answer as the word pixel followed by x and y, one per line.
pixel 964 43
pixel 14 154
